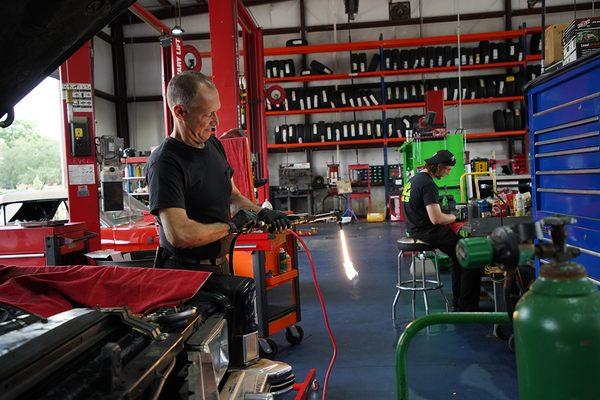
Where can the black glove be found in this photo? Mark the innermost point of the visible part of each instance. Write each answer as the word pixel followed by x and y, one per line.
pixel 276 221
pixel 243 221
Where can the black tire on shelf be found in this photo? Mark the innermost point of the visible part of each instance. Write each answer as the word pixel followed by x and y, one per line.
pixel 404 64
pixel 413 59
pixel 268 354
pixel 422 57
pixel 439 57
pixel 498 118
pixel 292 338
pixel 518 119
pixel 509 120
pixel 396 59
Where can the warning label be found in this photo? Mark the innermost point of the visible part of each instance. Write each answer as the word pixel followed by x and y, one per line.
pixel 82 96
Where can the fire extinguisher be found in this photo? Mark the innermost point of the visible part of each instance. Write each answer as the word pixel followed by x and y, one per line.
pixel 395 207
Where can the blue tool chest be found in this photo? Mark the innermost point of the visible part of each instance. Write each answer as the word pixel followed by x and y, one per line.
pixel 564 140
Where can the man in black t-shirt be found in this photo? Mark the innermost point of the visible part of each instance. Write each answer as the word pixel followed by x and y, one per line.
pixel 190 183
pixel 426 221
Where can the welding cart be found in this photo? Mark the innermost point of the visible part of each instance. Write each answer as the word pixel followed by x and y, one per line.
pixel 271 259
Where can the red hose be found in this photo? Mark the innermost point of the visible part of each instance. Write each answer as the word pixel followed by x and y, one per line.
pixel 313 271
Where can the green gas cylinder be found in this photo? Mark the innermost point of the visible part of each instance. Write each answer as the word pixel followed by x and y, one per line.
pixel 557 336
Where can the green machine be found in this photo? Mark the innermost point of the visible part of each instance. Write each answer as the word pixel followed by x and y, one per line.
pixel 414 153
pixel 556 323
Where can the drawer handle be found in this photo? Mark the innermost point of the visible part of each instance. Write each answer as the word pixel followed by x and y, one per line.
pixel 569 191
pixel 565 152
pixel 567 125
pixel 558 107
pixel 568 138
pixel 569 171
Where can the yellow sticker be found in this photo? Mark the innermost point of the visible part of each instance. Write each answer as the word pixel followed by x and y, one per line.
pixel 78 132
pixel 510 78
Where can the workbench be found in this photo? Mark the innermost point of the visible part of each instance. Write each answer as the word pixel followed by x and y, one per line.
pixel 564 136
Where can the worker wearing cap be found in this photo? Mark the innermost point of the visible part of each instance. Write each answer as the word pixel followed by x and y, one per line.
pixel 426 222
pixel 191 187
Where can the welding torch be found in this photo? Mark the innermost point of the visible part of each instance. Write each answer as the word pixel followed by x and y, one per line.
pixel 303 219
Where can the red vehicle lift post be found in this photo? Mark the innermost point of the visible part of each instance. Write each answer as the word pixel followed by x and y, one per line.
pixel 77 82
pixel 224 19
pixel 80 154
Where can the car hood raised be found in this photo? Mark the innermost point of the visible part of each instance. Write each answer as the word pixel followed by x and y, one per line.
pixel 39 35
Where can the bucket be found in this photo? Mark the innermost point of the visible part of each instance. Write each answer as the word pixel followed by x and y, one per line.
pixel 375 217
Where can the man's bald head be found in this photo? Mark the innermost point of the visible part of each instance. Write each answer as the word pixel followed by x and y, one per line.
pixel 183 88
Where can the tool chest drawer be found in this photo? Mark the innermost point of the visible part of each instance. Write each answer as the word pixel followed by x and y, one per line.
pixel 564 136
pixel 575 94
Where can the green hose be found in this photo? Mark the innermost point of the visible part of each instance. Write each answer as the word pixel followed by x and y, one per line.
pixel 435 319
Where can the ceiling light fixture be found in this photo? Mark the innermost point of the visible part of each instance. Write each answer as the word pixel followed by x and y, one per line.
pixel 177 29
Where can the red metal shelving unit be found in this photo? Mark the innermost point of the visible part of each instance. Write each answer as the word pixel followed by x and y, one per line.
pixel 414 71
pixel 406 42
pixel 494 135
pixel 363 143
pixel 366 143
pixel 382 74
pixel 394 106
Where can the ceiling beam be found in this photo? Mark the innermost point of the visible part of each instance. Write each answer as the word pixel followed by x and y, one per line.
pixel 201 8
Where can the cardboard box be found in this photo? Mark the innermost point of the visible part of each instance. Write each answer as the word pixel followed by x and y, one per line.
pixel 581 50
pixel 582 25
pixel 580 38
pixel 554 46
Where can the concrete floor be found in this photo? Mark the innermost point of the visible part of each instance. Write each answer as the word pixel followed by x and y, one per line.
pixel 450 362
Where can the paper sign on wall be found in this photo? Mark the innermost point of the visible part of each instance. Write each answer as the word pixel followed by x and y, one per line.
pixel 82 174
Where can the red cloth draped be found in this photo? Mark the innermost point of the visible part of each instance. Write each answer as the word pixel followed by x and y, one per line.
pixel 45 291
pixel 238 156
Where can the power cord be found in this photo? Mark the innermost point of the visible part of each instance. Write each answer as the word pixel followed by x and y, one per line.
pixel 313 271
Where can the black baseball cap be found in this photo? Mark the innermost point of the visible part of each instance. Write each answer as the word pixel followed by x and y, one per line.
pixel 443 157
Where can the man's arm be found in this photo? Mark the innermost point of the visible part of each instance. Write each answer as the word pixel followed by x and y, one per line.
pixel 437 217
pixel 184 233
pixel 240 201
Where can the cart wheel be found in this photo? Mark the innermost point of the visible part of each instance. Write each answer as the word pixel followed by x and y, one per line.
pixel 511 343
pixel 499 332
pixel 315 385
pixel 267 348
pixel 294 334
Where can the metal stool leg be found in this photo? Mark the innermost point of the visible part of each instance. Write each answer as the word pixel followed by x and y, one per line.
pixel 414 285
pixel 437 277
pixel 397 289
pixel 425 300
